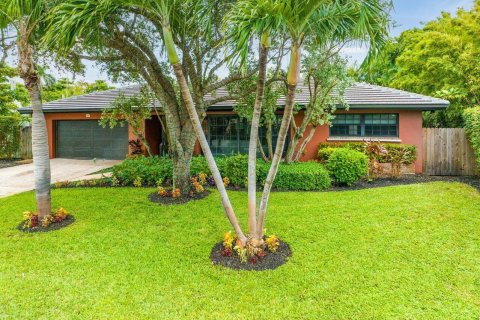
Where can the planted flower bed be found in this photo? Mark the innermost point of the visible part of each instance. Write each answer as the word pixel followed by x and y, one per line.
pixel 58 219
pixel 271 255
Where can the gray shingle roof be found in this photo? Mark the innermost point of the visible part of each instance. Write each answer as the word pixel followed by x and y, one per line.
pixel 358 96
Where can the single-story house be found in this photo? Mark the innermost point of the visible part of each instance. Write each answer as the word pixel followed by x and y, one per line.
pixel 375 112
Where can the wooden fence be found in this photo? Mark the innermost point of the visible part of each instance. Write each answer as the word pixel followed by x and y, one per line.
pixel 447 152
pixel 25 151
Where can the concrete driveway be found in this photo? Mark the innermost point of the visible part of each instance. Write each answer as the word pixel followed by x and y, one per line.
pixel 20 178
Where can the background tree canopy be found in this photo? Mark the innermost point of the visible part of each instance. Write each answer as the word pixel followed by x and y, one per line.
pixel 442 59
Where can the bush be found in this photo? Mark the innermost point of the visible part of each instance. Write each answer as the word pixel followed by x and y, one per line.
pixel 472 127
pixel 325 153
pixel 301 176
pixel 296 176
pixel 235 167
pixel 395 151
pixel 9 137
pixel 148 169
pixel 346 166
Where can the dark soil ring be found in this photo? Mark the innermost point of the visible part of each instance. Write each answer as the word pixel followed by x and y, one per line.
pixel 269 262
pixel 155 197
pixel 54 226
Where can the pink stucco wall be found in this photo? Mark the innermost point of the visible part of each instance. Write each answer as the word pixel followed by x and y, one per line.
pixel 410 132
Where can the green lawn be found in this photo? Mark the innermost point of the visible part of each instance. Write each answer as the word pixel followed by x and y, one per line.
pixel 407 252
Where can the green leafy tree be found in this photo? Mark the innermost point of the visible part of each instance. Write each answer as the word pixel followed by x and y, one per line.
pixel 133 110
pixel 441 59
pixel 10 96
pixel 136 40
pixel 326 78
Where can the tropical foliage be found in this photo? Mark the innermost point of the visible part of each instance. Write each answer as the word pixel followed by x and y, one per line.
pixel 441 59
pixel 472 126
pixel 9 136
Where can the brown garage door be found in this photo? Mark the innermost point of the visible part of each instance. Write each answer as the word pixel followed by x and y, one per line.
pixel 86 139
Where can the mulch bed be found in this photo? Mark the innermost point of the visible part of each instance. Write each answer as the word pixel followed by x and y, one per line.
pixel 54 226
pixel 406 180
pixel 13 162
pixel 155 197
pixel 270 262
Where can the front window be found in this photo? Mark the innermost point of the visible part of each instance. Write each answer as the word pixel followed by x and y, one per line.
pixel 229 134
pixel 365 125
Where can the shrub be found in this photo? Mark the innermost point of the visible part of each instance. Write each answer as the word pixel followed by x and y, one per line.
pixel 9 136
pixel 346 166
pixel 235 167
pixel 395 151
pixel 325 153
pixel 149 171
pixel 472 127
pixel 300 176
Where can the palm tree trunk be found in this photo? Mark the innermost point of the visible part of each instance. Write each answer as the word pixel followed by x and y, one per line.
pixel 252 149
pixel 197 126
pixel 41 159
pixel 292 80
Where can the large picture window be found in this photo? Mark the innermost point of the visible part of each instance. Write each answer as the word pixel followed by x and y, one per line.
pixel 365 125
pixel 229 134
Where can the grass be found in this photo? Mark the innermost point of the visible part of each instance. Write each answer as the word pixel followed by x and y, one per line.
pixel 402 252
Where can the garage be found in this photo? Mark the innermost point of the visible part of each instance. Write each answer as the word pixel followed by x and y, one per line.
pixel 86 139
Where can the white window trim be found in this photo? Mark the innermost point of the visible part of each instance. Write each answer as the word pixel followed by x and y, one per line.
pixel 381 139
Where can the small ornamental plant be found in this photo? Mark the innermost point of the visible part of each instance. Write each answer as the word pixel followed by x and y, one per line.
pixel 226 181
pixel 202 178
pixel 31 220
pixel 114 181
pixel 197 186
pixel 138 182
pixel 176 193
pixel 251 252
pixel 162 191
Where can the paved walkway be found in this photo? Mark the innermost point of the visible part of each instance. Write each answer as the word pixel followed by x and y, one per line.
pixel 20 178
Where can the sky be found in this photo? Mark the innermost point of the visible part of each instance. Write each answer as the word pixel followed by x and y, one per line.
pixel 407 14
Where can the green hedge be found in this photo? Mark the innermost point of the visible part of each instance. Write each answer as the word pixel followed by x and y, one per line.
pixel 472 127
pixel 9 137
pixel 407 152
pixel 306 176
pixel 347 166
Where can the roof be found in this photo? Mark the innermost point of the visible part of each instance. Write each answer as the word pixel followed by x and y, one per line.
pixel 358 96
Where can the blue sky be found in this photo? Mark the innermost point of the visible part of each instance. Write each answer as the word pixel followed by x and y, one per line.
pixel 407 14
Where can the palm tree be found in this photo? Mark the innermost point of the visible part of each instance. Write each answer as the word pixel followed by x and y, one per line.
pixel 316 20
pixel 248 19
pixel 26 17
pixel 358 20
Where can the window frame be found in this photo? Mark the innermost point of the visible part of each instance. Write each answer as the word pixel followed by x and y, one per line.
pixel 209 124
pixel 362 126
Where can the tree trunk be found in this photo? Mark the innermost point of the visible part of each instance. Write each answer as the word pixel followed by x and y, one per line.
pixel 41 159
pixel 181 174
pixel 197 127
pixel 304 144
pixel 252 149
pixel 292 80
pixel 269 141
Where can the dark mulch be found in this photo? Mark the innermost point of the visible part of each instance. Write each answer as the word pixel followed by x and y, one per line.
pixel 155 197
pixel 4 163
pixel 54 226
pixel 405 180
pixel 269 262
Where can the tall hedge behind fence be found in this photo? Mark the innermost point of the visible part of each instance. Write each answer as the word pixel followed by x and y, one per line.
pixel 9 136
pixel 472 127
